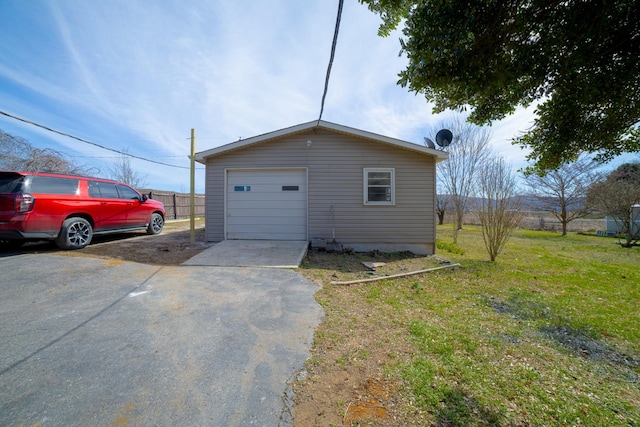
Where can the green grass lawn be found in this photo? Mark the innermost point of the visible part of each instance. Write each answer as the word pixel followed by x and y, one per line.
pixel 549 334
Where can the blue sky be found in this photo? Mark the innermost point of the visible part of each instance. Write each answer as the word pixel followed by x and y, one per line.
pixel 138 75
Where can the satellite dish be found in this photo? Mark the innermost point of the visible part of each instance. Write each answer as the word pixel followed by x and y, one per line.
pixel 444 137
pixel 429 143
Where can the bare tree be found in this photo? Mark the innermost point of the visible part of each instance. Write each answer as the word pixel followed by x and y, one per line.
pixel 498 204
pixel 457 175
pixel 18 154
pixel 442 202
pixel 13 151
pixel 618 195
pixel 563 192
pixel 123 172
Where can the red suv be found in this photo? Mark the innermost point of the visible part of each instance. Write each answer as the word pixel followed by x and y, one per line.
pixel 71 209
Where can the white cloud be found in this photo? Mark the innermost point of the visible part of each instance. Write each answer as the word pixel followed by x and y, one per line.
pixel 138 75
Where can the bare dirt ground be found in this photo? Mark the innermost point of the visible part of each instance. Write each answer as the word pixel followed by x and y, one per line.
pixel 172 247
pixel 347 380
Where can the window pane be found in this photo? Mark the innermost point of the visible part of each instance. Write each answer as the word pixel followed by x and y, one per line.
pixel 379 186
pixel 11 183
pixel 379 178
pixel 107 190
pixel 94 189
pixel 379 194
pixel 127 193
pixel 48 185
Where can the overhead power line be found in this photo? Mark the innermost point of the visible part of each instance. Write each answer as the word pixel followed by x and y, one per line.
pixel 333 52
pixel 89 142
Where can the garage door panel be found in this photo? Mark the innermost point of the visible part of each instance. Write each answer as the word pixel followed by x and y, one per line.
pixel 249 189
pixel 269 215
pixel 264 197
pixel 260 211
pixel 275 220
pixel 260 207
pixel 273 178
pixel 263 236
pixel 268 228
pixel 265 204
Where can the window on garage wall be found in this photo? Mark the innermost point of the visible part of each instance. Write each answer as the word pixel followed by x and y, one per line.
pixel 379 186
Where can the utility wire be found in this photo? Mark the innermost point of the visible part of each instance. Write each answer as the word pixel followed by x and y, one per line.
pixel 333 52
pixel 89 142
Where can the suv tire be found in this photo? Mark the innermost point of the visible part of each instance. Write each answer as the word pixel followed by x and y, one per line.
pixel 76 233
pixel 156 223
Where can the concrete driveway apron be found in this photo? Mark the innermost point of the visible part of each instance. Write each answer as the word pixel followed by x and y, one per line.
pixel 99 342
pixel 252 253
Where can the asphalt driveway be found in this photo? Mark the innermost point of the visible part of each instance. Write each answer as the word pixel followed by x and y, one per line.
pixel 87 341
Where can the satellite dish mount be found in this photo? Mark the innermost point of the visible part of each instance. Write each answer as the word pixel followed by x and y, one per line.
pixel 429 143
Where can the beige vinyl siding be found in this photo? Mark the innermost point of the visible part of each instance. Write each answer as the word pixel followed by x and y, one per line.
pixel 335 165
pixel 214 204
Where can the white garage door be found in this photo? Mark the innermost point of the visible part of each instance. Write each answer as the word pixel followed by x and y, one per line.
pixel 267 204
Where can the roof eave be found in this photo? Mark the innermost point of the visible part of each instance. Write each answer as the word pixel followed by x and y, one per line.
pixel 243 143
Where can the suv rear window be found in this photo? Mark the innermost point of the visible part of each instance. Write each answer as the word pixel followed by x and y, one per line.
pixel 11 183
pixel 49 185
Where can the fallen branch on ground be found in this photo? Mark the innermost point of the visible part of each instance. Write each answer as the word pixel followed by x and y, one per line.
pixel 411 273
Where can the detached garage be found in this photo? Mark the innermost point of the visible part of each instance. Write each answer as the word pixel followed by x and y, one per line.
pixel 318 181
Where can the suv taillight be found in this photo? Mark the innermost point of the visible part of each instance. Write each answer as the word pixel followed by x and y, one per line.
pixel 24 202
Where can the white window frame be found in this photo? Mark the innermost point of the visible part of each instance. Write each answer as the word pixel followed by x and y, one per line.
pixel 365 187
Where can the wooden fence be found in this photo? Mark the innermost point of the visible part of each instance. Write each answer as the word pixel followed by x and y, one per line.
pixel 176 205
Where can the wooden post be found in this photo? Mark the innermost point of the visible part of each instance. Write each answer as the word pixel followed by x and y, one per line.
pixel 192 197
pixel 175 206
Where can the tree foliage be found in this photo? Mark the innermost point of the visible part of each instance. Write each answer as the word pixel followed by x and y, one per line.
pixel 17 154
pixel 563 192
pixel 576 60
pixel 616 195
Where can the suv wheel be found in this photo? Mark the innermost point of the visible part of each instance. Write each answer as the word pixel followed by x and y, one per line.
pixel 155 224
pixel 76 233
